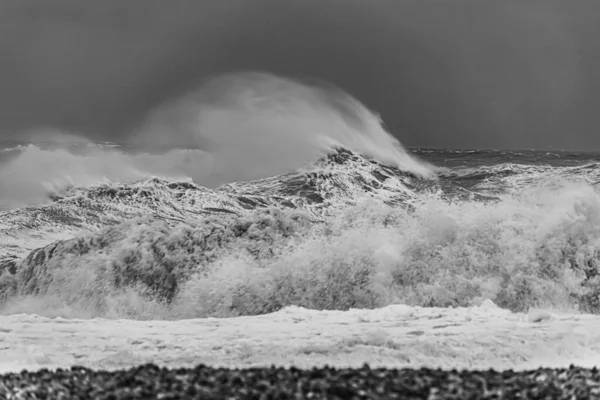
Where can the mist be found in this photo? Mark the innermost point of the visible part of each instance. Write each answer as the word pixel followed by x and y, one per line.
pixel 458 74
pixel 234 127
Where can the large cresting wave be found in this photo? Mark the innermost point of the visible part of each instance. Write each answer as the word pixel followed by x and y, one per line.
pixel 234 127
pixel 537 250
pixel 256 125
pixel 130 235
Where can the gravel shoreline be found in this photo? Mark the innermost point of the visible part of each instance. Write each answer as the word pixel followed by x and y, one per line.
pixel 152 382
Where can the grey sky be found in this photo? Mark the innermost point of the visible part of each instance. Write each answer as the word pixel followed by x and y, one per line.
pixel 443 73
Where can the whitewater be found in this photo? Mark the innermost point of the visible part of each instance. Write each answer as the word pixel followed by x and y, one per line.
pixel 261 220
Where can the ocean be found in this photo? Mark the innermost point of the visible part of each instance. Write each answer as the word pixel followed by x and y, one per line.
pixel 519 228
pixel 342 230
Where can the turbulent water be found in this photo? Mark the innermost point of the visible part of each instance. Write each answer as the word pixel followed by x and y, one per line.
pixel 350 219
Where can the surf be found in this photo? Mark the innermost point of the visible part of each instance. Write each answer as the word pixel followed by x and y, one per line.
pixel 252 255
pixel 256 192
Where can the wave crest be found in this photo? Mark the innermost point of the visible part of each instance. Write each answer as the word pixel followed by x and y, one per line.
pixel 258 125
pixel 234 128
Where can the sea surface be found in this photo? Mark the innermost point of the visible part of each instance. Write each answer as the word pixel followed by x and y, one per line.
pixel 518 228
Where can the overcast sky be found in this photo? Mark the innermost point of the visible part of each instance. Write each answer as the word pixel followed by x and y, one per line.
pixel 442 73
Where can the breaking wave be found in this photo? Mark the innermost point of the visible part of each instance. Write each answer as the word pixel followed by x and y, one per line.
pixel 35 174
pixel 233 128
pixel 258 125
pixel 257 192
pixel 537 248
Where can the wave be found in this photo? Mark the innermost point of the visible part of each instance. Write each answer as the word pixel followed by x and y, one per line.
pixel 36 174
pixel 233 128
pixel 331 184
pixel 324 238
pixel 510 178
pixel 259 125
pixel 216 207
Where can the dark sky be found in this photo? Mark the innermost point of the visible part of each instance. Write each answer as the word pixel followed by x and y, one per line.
pixel 442 73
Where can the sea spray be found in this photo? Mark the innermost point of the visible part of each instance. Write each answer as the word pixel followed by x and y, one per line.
pixel 232 128
pixel 259 125
pixel 539 249
pixel 362 227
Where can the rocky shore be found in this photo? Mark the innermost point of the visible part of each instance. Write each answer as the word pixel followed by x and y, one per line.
pixel 152 382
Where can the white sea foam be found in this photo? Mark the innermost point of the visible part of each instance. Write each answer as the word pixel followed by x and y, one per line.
pixel 536 250
pixel 395 337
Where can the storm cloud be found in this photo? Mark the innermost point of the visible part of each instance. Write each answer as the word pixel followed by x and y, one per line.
pixel 442 73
